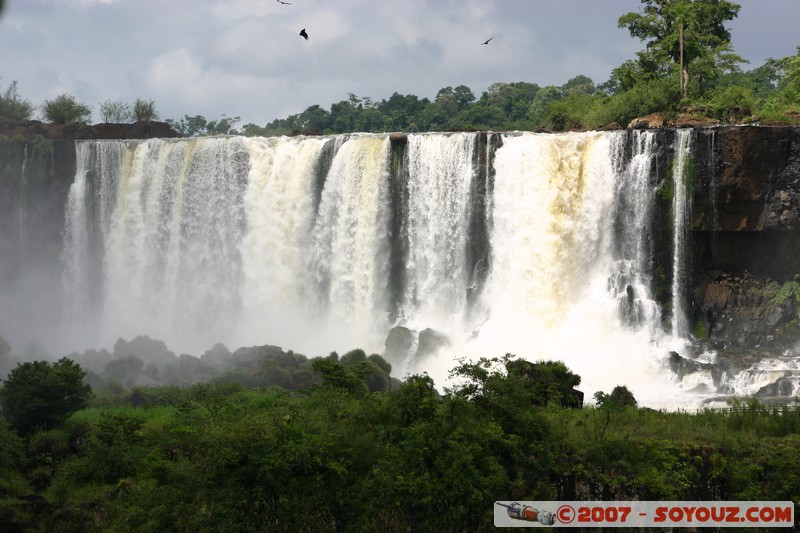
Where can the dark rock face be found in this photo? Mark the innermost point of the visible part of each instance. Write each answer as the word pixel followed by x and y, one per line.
pixel 403 344
pixel 746 239
pixel 749 179
pixel 430 341
pixel 399 344
pixel 137 130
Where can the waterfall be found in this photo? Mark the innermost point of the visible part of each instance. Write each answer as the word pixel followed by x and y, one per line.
pixel 440 175
pixel 555 256
pixel 681 211
pixel 76 239
pixel 631 281
pixel 534 244
pixel 276 249
pixel 351 242
pixel 170 217
pixel 23 200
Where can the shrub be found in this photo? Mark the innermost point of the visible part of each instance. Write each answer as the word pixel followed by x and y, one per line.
pixel 115 112
pixel 65 110
pixel 144 110
pixel 12 106
pixel 41 395
pixel 732 104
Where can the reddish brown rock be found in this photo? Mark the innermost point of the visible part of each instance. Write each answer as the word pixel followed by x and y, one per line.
pixel 651 121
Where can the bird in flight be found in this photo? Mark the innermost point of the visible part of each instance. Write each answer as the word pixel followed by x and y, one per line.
pixel 303 34
pixel 285 3
pixel 484 42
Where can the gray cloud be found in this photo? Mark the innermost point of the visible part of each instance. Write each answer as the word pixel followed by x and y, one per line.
pixel 245 57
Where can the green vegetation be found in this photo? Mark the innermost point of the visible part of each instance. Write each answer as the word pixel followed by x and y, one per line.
pixel 40 395
pixel 144 110
pixel 64 109
pixel 335 457
pixel 116 112
pixel 14 107
pixel 700 331
pixel 789 290
pixel 198 125
pixel 685 34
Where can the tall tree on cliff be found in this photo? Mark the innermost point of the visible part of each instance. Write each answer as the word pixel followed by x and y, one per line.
pixel 682 31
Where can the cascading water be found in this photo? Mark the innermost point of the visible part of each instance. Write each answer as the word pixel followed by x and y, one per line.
pixel 172 218
pixel 681 210
pixel 23 211
pixel 351 243
pixel 280 204
pixel 440 175
pixel 290 241
pixel 553 292
pixel 631 281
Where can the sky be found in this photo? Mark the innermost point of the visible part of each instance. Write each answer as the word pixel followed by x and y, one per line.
pixel 246 58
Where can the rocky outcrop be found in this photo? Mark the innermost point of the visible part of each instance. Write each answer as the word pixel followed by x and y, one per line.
pixel 746 235
pixel 137 130
pixel 688 119
pixel 399 344
pixel 746 241
pixel 748 179
pixel 403 344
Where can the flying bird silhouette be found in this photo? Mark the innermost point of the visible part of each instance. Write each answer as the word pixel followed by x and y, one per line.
pixel 285 3
pixel 487 40
pixel 303 34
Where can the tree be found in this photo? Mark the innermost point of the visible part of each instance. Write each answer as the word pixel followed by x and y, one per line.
pixel 611 405
pixel 314 119
pixel 224 126
pixel 12 106
pixel 144 110
pixel 64 109
pixel 541 383
pixel 335 375
pixel 42 395
pixel 790 83
pixel 189 126
pixel 544 97
pixel 579 85
pixel 116 112
pixel 680 31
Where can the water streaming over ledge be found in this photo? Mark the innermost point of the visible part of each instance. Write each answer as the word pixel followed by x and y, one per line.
pixel 681 211
pixel 533 244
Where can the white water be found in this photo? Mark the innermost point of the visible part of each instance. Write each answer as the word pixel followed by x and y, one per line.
pixel 440 175
pixel 681 210
pixel 351 245
pixel 551 292
pixel 232 240
pixel 278 283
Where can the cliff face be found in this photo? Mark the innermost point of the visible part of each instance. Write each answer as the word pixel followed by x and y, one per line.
pixel 746 239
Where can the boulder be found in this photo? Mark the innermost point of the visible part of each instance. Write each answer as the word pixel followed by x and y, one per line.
pixel 399 344
pixel 430 342
pixel 782 387
pixel 651 121
pixel 685 120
